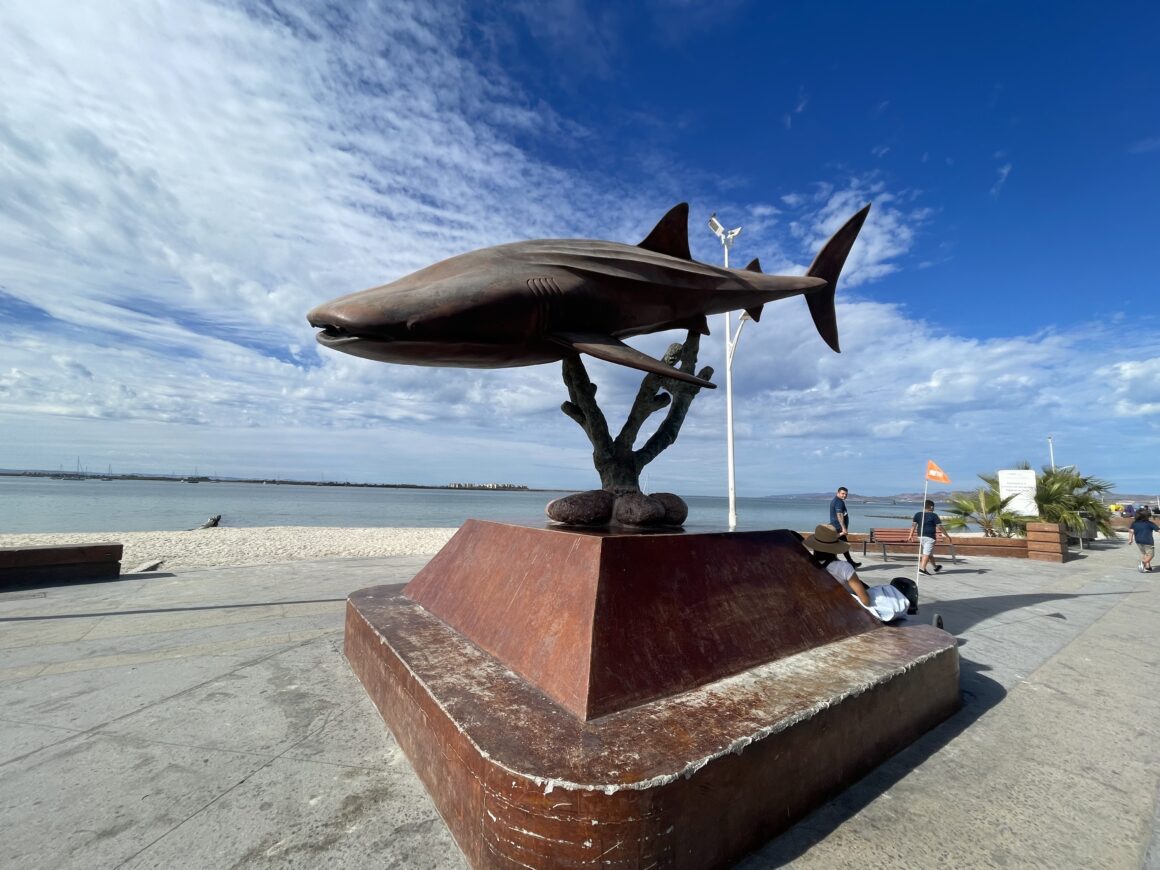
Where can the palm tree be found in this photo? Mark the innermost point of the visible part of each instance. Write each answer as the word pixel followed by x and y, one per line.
pixel 1062 495
pixel 987 510
pixel 1065 496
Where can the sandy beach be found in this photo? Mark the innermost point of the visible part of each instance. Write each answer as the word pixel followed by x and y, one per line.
pixel 226 546
pixel 208 548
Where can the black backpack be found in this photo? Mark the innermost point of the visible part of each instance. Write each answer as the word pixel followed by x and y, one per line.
pixel 908 588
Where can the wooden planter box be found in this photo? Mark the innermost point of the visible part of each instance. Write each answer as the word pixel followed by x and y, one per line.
pixel 1046 542
pixel 57 565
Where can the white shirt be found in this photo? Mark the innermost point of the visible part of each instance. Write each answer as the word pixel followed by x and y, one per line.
pixel 886 602
pixel 841 571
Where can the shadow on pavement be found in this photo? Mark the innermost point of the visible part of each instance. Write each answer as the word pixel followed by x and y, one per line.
pixel 979 694
pixel 104 613
pixel 26 585
pixel 961 614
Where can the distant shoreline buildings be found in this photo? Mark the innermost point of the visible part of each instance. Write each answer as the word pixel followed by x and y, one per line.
pixel 486 486
pixel 201 478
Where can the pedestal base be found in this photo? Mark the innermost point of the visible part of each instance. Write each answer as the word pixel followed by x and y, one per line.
pixel 694 779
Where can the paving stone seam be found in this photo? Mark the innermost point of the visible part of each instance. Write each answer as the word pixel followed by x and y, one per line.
pixel 167 654
pixel 1081 646
pixel 167 699
pixel 313 732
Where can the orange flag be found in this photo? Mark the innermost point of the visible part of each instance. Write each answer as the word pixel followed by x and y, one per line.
pixel 933 472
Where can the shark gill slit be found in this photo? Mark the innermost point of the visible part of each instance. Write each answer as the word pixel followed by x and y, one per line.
pixel 543 289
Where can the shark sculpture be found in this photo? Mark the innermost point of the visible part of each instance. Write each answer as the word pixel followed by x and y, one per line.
pixel 536 302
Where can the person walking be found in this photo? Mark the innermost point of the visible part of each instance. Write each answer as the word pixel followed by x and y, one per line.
pixel 840 520
pixel 1141 534
pixel 931 530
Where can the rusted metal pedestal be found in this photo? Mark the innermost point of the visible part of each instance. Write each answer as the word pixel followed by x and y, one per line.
pixel 576 699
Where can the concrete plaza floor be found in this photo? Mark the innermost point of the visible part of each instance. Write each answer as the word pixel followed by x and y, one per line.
pixel 207 719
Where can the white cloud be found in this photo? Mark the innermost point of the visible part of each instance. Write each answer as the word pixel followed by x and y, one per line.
pixel 803 100
pixel 1135 386
pixel 180 183
pixel 887 235
pixel 1003 172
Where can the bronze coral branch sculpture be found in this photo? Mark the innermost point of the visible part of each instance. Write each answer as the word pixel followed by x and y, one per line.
pixel 617 462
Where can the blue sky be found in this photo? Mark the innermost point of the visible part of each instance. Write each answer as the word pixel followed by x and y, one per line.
pixel 181 182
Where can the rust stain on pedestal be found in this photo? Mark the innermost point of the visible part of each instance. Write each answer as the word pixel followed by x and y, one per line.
pixel 698 753
pixel 601 622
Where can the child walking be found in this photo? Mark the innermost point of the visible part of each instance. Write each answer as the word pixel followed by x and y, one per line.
pixel 1140 533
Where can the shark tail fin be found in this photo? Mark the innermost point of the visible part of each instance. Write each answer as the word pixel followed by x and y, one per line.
pixel 828 265
pixel 754 312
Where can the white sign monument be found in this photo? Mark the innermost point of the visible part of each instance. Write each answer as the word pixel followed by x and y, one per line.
pixel 1020 483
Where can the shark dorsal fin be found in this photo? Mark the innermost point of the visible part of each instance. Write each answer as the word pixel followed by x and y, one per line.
pixel 754 265
pixel 671 235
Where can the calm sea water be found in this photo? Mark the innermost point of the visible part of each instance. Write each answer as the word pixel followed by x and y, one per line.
pixel 38 504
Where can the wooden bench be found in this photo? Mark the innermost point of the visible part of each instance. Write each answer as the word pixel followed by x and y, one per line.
pixel 54 565
pixel 886 537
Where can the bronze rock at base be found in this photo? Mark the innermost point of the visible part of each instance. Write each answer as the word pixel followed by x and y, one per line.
pixel 638 509
pixel 676 510
pixel 591 508
pixel 599 507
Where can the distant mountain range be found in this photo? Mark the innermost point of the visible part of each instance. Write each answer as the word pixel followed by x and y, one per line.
pixel 937 495
pixel 859 498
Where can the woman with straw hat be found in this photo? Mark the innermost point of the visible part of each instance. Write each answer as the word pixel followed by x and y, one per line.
pixel 885 602
pixel 827 546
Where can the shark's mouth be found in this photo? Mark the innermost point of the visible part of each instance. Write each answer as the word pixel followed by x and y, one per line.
pixel 337 338
pixel 331 335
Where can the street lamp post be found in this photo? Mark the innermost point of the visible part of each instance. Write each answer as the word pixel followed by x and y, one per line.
pixel 1051 452
pixel 731 337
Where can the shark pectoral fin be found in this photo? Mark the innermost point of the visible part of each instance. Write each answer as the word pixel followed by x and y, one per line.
pixel 614 350
pixel 671 235
pixel 697 323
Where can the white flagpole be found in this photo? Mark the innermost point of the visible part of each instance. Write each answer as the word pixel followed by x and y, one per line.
pixel 918 564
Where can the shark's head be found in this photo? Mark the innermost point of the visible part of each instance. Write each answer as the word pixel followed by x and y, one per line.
pixel 474 299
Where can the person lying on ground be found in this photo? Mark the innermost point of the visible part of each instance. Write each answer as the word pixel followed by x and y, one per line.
pixel 886 602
